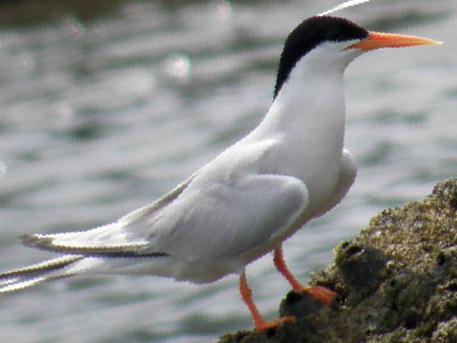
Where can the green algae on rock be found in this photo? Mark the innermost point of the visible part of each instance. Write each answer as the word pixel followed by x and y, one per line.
pixel 396 282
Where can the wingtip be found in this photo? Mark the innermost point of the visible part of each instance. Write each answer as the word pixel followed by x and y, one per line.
pixel 36 241
pixel 343 6
pixel 133 249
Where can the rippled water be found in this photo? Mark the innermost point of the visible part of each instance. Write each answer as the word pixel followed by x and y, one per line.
pixel 101 117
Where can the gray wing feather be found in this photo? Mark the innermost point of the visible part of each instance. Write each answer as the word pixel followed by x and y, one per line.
pixel 108 240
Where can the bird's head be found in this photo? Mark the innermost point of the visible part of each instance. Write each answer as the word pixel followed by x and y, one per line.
pixel 325 44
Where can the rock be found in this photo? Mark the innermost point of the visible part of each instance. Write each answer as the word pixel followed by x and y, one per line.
pixel 396 282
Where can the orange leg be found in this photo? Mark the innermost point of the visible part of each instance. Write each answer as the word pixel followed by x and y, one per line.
pixel 259 322
pixel 318 293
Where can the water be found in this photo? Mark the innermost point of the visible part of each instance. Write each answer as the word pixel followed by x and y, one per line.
pixel 101 117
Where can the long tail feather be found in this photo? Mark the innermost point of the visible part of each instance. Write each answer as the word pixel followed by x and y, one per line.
pixel 18 279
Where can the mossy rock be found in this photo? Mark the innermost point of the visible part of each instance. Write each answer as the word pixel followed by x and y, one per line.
pixel 396 282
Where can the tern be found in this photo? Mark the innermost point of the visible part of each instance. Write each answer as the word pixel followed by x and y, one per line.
pixel 243 204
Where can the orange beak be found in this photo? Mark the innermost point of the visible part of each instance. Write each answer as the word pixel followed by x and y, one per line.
pixel 379 40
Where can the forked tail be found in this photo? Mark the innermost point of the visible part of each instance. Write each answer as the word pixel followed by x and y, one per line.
pixel 18 279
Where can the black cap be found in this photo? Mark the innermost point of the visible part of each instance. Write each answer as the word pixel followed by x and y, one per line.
pixel 308 35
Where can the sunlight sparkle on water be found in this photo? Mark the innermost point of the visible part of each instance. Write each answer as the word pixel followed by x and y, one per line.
pixel 224 9
pixel 178 67
pixel 2 169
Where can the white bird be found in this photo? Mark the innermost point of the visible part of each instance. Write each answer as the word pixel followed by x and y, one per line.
pixel 257 193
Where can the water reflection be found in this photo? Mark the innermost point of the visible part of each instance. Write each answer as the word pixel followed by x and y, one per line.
pixel 101 116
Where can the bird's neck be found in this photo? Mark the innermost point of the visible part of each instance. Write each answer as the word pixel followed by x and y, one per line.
pixel 309 109
pixel 307 120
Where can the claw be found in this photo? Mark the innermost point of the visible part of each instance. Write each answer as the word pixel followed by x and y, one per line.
pixel 320 294
pixel 265 326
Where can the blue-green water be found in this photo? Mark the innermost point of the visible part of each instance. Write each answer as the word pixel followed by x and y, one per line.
pixel 102 117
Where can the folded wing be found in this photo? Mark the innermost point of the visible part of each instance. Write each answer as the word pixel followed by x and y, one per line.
pixel 118 239
pixel 230 218
pixel 222 211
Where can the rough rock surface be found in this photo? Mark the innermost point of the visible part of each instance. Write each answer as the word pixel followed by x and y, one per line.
pixel 396 282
